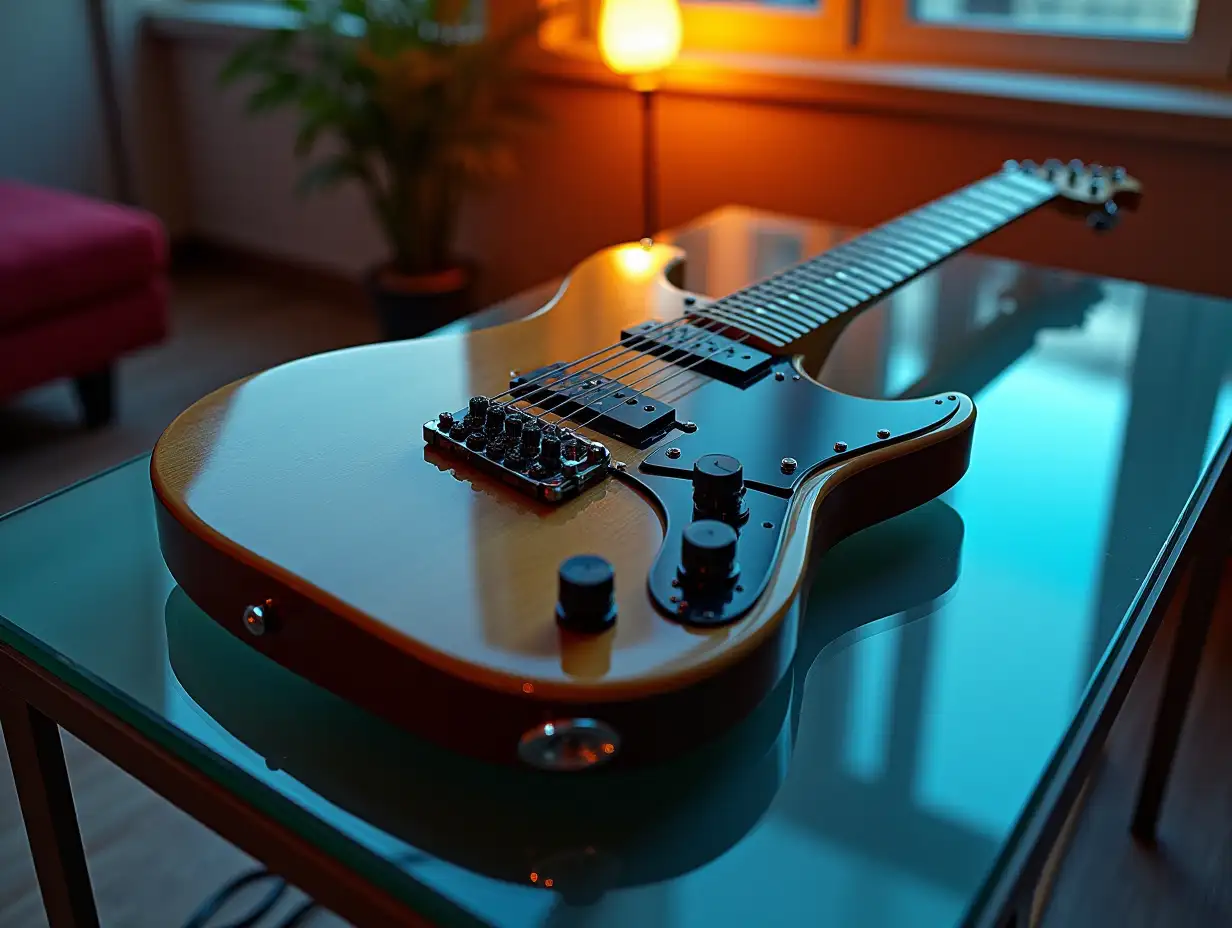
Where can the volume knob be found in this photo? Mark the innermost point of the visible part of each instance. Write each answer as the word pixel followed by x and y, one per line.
pixel 585 602
pixel 718 488
pixel 708 555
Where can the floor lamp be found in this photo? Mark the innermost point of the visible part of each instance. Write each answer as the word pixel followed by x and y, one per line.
pixel 640 38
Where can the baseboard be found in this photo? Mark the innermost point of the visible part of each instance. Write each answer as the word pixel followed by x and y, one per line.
pixel 195 253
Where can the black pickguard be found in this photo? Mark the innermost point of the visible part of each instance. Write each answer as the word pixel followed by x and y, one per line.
pixel 782 416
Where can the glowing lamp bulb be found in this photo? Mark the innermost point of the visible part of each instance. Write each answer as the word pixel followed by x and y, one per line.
pixel 639 36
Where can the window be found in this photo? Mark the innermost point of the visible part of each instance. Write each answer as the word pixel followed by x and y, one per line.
pixel 1139 38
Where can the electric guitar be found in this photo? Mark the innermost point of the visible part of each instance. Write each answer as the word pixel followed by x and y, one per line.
pixel 589 561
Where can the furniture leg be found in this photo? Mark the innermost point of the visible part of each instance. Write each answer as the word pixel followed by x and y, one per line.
pixel 1182 673
pixel 37 758
pixel 96 392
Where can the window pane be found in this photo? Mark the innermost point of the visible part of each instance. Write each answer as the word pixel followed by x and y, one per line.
pixel 1164 19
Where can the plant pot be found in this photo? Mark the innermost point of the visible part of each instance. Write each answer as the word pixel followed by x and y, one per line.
pixel 409 305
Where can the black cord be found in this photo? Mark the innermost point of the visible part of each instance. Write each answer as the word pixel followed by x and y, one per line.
pixel 214 903
pixel 298 916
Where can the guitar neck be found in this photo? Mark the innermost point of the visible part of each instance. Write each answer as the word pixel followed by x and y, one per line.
pixel 793 304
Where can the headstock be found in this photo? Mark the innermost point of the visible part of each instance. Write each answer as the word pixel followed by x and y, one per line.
pixel 1090 190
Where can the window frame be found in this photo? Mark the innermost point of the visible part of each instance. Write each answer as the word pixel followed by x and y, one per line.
pixel 889 32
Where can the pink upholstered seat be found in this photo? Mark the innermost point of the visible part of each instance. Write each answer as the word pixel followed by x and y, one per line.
pixel 57 249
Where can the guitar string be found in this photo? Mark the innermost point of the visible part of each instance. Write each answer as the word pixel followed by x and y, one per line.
pixel 628 346
pixel 824 263
pixel 684 347
pixel 681 349
pixel 672 376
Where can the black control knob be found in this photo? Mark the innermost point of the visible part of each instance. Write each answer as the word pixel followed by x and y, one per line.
pixel 479 407
pixel 708 555
pixel 514 423
pixel 530 438
pixel 585 602
pixel 718 488
pixel 549 451
pixel 495 422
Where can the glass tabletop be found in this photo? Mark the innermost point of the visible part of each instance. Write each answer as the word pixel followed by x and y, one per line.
pixel 941 663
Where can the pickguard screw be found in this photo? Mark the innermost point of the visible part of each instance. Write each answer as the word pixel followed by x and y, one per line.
pixel 795 376
pixel 675 581
pixel 673 599
pixel 840 446
pixel 883 433
pixel 688 426
pixel 690 300
pixel 767 525
pixel 951 397
pixel 938 402
pixel 620 466
pixel 779 375
pixel 647 243
pixel 788 465
pixel 739 588
pixel 673 453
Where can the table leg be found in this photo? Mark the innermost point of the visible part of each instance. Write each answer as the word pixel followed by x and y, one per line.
pixel 37 758
pixel 1182 673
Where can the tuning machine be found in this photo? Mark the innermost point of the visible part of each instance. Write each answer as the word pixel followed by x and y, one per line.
pixel 1105 218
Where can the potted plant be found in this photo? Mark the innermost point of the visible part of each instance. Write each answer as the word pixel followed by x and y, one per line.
pixel 415 103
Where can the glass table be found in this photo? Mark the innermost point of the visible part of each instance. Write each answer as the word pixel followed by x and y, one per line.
pixel 958 668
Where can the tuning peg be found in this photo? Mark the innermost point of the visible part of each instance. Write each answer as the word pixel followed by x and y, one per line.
pixel 1076 168
pixel 1118 174
pixel 1029 166
pixel 1104 218
pixel 1097 170
pixel 1053 166
pixel 1010 166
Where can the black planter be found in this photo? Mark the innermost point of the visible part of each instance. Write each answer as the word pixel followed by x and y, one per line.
pixel 407 307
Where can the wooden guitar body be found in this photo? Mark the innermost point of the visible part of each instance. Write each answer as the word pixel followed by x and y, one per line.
pixel 419 586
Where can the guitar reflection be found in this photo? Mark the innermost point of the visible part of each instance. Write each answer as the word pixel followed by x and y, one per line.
pixel 579 837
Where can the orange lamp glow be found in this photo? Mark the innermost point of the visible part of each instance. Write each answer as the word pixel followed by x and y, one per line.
pixel 639 36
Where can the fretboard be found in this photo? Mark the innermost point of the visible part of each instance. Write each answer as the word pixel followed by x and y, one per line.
pixel 791 305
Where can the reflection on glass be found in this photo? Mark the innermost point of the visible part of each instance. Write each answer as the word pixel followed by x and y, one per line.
pixel 1163 19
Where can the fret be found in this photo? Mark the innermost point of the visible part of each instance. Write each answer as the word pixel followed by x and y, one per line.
pixel 999 205
pixel 1004 202
pixel 889 258
pixel 953 214
pixel 821 302
pixel 715 313
pixel 828 282
pixel 1035 190
pixel 925 227
pixel 999 209
pixel 914 243
pixel 787 329
pixel 929 229
pixel 787 306
pixel 781 299
pixel 877 280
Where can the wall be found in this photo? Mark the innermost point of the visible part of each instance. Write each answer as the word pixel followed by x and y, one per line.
pixel 50 115
pixel 579 187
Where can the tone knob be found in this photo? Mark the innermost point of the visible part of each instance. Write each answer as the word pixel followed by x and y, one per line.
pixel 585 602
pixel 708 555
pixel 718 488
pixel 530 438
pixel 514 423
pixel 495 422
pixel 549 452
pixel 479 407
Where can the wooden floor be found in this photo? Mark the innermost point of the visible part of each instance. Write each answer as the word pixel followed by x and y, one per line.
pixel 152 865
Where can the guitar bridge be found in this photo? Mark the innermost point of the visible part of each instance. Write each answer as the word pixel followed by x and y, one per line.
pixel 542 461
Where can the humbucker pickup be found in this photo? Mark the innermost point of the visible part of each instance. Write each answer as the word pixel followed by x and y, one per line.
pixel 700 349
pixel 601 403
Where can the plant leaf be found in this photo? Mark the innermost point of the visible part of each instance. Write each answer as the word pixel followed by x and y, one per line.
pixel 329 172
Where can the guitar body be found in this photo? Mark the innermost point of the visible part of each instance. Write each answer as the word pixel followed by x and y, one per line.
pixel 423 588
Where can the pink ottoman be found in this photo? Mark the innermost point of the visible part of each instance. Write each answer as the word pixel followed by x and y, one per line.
pixel 81 283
